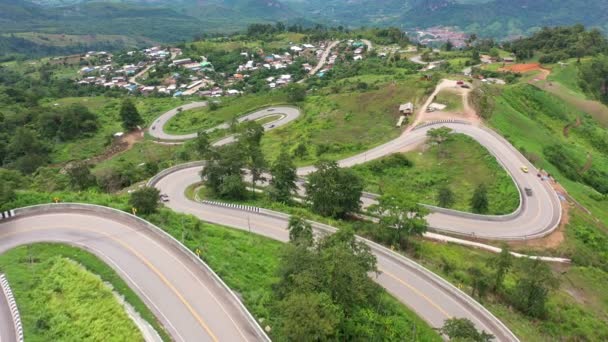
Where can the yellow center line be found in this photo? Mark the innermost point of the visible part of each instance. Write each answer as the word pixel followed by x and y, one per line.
pixel 169 284
pixel 415 290
pixel 143 259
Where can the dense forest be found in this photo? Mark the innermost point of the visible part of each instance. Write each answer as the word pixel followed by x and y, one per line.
pixel 27 130
pixel 559 43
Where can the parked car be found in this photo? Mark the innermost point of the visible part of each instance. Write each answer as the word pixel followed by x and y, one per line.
pixel 460 82
pixel 524 169
pixel 466 86
pixel 528 192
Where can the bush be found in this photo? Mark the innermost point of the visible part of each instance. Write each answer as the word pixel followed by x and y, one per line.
pixel 145 200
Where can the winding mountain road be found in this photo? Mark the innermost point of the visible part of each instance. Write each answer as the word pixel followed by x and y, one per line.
pixel 194 305
pixel 287 115
pixel 431 297
pixel 185 295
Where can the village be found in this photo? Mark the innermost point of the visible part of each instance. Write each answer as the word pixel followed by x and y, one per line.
pixel 165 71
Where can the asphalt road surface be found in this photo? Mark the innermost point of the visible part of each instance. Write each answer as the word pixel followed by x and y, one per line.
pixel 189 303
pixel 429 296
pixel 287 113
pixel 432 298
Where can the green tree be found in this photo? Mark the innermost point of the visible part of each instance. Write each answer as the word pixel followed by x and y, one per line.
pixel 345 265
pixel 223 172
pixel 462 329
pixel 439 135
pixel 251 135
pixel 536 281
pixel 479 201
pixel 479 282
pixel 449 45
pixel 445 197
pixel 68 123
pixel 145 200
pixel 26 152
pixel 250 140
pixel 494 53
pixel 300 151
pixel 284 177
pixel 403 216
pixel 336 267
pixel 333 191
pixel 475 57
pixel 295 92
pixel 10 180
pixel 593 77
pixel 501 264
pixel 129 115
pixel 309 317
pixel 80 176
pixel 202 145
pixel 300 231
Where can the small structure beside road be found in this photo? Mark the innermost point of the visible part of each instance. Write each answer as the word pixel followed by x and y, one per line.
pixel 406 108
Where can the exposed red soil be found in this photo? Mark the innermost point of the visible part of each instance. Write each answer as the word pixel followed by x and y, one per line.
pixel 521 68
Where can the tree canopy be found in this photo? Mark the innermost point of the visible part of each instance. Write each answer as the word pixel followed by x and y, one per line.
pixel 333 191
pixel 130 116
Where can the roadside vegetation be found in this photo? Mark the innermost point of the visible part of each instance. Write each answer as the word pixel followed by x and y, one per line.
pixel 47 122
pixel 252 266
pixel 451 100
pixel 517 290
pixel 459 164
pixel 347 120
pixel 220 112
pixel 65 293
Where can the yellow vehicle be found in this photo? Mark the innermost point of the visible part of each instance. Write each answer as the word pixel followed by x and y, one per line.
pixel 524 169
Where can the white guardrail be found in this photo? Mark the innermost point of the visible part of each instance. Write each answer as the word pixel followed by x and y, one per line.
pixel 132 219
pixel 10 299
pixel 483 314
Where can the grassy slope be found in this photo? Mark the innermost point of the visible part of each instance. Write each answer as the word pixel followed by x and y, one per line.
pixel 190 121
pixel 246 262
pixel 142 152
pixel 61 300
pixel 528 118
pixel 450 99
pixel 532 119
pixel 461 164
pixel 107 110
pixel 563 82
pixel 280 41
pixel 346 123
pixel 571 317
pixel 567 76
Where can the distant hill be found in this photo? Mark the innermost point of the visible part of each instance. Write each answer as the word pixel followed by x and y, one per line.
pixel 181 20
pixel 495 18
pixel 502 18
pixel 161 20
